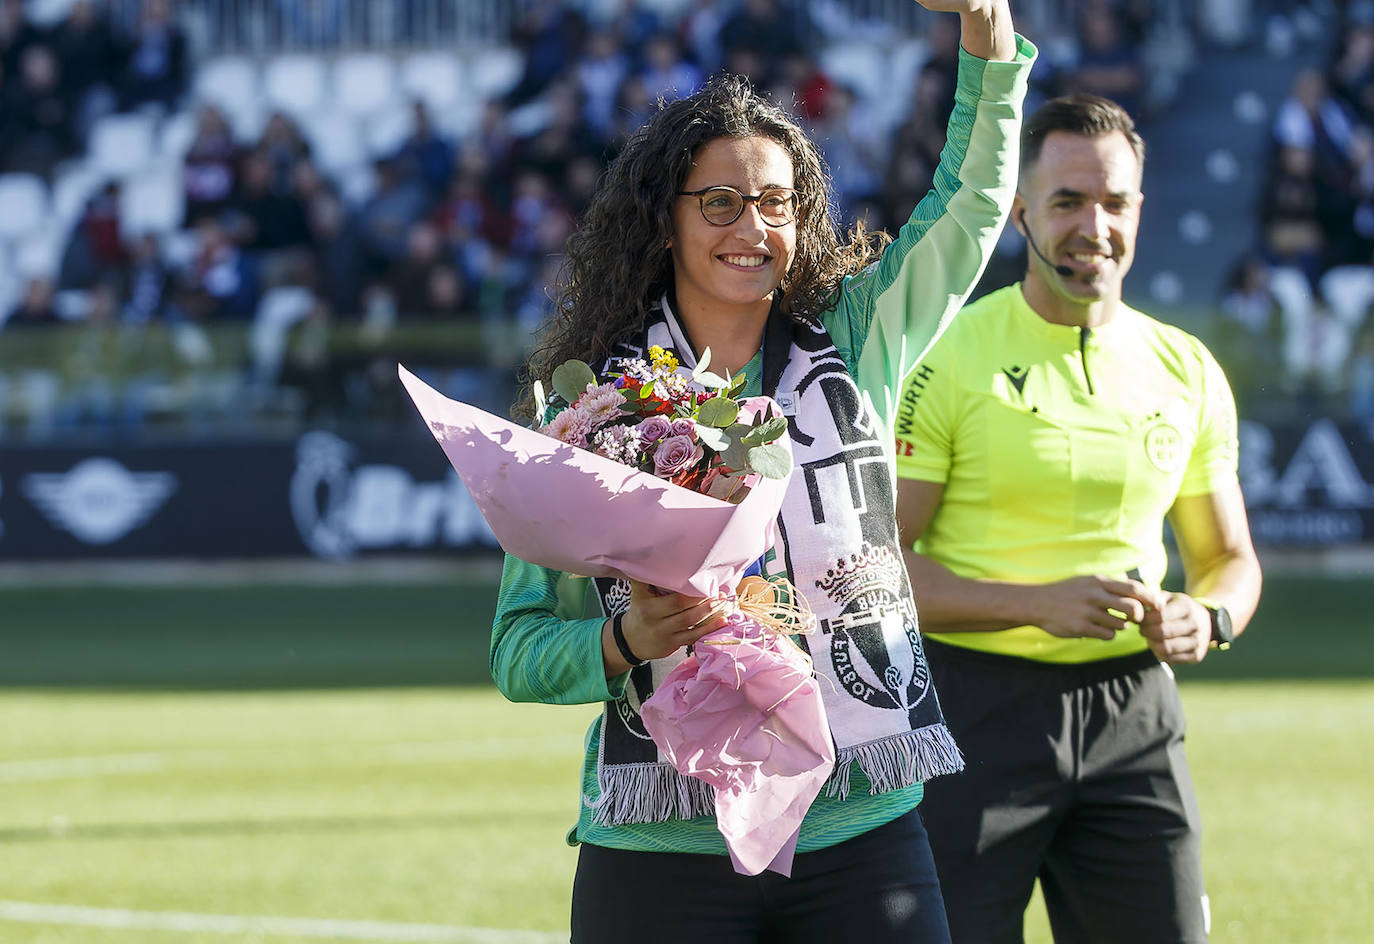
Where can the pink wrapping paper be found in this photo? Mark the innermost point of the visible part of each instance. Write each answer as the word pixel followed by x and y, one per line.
pixel 568 509
pixel 746 715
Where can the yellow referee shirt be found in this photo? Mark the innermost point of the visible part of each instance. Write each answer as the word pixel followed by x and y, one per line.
pixel 1061 450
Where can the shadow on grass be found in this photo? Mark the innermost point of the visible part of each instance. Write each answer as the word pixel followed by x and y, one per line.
pixel 278 637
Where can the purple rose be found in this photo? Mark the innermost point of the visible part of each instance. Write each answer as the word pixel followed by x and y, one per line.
pixel 674 455
pixel 685 426
pixel 654 428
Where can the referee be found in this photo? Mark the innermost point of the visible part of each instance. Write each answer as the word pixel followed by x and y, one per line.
pixel 1041 445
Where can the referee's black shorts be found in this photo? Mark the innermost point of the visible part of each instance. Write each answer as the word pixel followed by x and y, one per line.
pixel 1076 775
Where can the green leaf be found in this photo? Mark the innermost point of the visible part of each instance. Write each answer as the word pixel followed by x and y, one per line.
pixel 571 378
pixel 712 437
pixel 719 412
pixel 772 461
pixel 766 431
pixel 736 455
pixel 646 391
pixel 736 385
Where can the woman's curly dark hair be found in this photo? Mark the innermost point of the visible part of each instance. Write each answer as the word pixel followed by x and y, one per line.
pixel 618 264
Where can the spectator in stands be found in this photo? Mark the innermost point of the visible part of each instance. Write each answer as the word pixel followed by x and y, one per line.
pixel 408 279
pixel 666 72
pixel 768 27
pixel 700 29
pixel 550 35
pixel 599 74
pixel 219 281
pixel 40 115
pixel 35 309
pixel 155 72
pixel 147 297
pixel 1352 70
pixel 425 154
pixel 95 252
pixel 849 140
pixel 210 168
pixel 285 147
pixel 17 33
pixel 387 215
pixel 1294 208
pixel 564 137
pixel 1248 334
pixel 1109 63
pixel 337 254
pixel 1311 119
pixel 91 57
pixel 267 222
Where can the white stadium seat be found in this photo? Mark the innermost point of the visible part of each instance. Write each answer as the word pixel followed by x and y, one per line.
pixel 40 254
pixel 176 134
pixel 336 141
pixel 435 78
pixel 152 202
pixel 23 205
pixel 72 187
pixel 122 144
pixel 294 83
pixel 364 83
pixel 228 81
pixel 493 72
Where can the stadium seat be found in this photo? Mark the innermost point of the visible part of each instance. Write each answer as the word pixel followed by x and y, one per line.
pixel 120 145
pixel 336 142
pixel 294 83
pixel 40 254
pixel 386 130
pixel 228 81
pixel 435 78
pixel 152 202
pixel 23 205
pixel 73 185
pixel 175 136
pixel 364 83
pixel 494 71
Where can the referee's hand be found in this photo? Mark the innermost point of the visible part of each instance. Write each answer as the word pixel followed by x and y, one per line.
pixel 1097 607
pixel 1180 631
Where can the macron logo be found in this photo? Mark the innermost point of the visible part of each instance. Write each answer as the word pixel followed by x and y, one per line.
pixel 1017 376
pixel 98 500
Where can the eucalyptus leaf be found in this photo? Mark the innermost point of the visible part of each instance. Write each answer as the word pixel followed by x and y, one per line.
pixel 736 455
pixel 712 437
pixel 772 461
pixel 571 378
pixel 737 384
pixel 719 412
pixel 766 431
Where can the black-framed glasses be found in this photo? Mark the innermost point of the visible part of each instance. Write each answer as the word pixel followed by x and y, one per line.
pixel 721 206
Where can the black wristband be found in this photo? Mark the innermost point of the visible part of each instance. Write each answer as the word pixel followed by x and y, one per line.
pixel 621 643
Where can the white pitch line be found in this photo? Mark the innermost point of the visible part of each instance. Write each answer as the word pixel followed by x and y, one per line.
pixel 121 919
pixel 63 768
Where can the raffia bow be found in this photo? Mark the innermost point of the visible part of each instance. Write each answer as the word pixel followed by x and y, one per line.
pixel 776 606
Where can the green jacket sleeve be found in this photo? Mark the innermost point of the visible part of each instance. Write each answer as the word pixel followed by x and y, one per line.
pixel 888 315
pixel 541 648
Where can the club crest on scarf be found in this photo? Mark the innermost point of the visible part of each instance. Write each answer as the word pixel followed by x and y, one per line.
pixel 870 587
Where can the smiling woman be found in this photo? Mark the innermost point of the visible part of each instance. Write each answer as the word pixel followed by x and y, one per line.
pixel 712 230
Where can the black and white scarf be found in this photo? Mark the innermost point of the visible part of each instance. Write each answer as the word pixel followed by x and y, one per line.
pixel 837 542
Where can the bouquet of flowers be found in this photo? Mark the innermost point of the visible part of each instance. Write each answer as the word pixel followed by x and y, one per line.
pixel 644 476
pixel 650 417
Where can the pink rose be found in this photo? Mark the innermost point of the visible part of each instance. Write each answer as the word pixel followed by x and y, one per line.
pixel 685 426
pixel 654 428
pixel 674 455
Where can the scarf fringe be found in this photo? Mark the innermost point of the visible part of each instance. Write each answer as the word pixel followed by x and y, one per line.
pixel 898 761
pixel 656 793
pixel 649 793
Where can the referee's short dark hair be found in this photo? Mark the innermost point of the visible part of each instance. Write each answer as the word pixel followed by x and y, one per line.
pixel 1089 115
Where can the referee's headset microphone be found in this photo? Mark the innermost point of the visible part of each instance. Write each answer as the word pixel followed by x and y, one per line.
pixel 1063 270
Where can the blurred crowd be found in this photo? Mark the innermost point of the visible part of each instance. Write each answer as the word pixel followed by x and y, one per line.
pixel 463 230
pixel 1298 305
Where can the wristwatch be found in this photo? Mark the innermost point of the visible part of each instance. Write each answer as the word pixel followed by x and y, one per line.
pixel 1222 633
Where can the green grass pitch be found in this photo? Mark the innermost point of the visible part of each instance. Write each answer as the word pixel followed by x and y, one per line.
pixel 335 754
